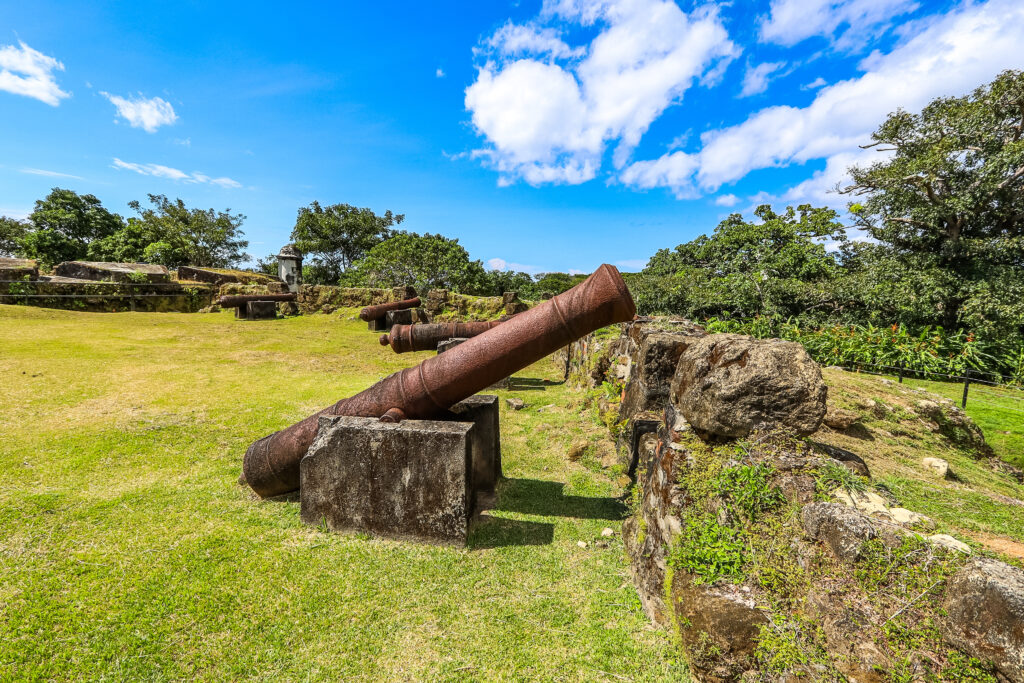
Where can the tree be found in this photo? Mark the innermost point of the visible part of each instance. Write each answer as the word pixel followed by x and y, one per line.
pixel 175 235
pixel 336 236
pixel 556 283
pixel 12 232
pixel 947 200
pixel 497 282
pixel 64 224
pixel 423 261
pixel 777 265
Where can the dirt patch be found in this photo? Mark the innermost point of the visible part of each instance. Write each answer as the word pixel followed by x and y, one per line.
pixel 998 544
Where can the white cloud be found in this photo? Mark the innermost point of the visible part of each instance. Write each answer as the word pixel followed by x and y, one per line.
pixel 439 73
pixel 139 112
pixel 16 214
pixel 502 264
pixel 50 174
pixel 159 171
pixel 727 200
pixel 547 122
pixel 28 72
pixel 756 79
pixel 850 22
pixel 184 142
pixel 949 56
pixel 632 263
pixel 577 271
pixel 516 39
pixel 815 84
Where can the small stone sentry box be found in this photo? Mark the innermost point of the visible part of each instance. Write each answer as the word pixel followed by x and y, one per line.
pixel 415 479
pixel 289 267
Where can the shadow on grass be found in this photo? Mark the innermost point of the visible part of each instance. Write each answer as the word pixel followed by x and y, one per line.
pixel 531 384
pixel 540 497
pixel 498 532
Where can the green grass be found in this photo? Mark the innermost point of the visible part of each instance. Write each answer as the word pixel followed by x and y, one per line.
pixel 128 550
pixel 999 411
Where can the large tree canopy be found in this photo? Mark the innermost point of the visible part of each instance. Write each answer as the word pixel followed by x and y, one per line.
pixel 336 236
pixel 424 261
pixel 946 201
pixel 63 225
pixel 171 234
pixel 777 265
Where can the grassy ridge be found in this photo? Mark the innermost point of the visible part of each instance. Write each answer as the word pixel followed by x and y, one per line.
pixel 127 550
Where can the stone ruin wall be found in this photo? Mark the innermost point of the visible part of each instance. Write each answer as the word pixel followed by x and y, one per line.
pixel 112 287
pixel 694 410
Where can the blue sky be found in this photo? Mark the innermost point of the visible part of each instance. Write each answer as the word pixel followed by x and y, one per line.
pixel 550 135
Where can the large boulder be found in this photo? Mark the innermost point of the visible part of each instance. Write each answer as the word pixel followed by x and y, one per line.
pixel 731 385
pixel 984 614
pixel 842 529
pixel 654 356
pixel 719 626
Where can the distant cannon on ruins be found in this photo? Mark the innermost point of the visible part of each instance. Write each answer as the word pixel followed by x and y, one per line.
pixel 405 338
pixel 255 306
pixel 379 311
pixel 430 389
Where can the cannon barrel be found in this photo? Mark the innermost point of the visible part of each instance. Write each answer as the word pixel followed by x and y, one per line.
pixel 405 338
pixel 427 390
pixel 373 312
pixel 243 299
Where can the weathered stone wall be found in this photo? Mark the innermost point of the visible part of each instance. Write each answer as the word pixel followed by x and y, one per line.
pixel 444 306
pixel 107 297
pixel 742 542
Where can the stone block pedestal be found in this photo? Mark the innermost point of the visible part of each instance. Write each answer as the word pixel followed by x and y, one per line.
pixel 260 310
pixel 416 479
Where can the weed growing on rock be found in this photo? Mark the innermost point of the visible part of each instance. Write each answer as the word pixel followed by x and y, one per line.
pixel 832 476
pixel 748 488
pixel 710 551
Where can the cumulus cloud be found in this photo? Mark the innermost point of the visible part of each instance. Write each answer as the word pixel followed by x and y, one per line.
pixel 531 39
pixel 439 73
pixel 160 171
pixel 950 56
pixel 548 110
pixel 140 112
pixel 815 84
pixel 847 21
pixel 502 264
pixel 756 79
pixel 727 200
pixel 28 72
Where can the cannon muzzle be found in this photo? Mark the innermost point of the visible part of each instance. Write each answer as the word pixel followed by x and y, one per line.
pixel 404 338
pixel 374 312
pixel 427 390
pixel 243 299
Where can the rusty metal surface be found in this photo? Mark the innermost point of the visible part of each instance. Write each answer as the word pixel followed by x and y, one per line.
pixel 241 300
pixel 373 312
pixel 427 390
pixel 404 338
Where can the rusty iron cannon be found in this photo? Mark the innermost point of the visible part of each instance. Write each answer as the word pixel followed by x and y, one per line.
pixel 428 390
pixel 375 312
pixel 239 301
pixel 404 338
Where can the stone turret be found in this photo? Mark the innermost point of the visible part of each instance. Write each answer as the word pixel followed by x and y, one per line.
pixel 289 267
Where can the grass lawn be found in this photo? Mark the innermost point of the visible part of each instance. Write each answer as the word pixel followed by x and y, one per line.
pixel 999 411
pixel 129 551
